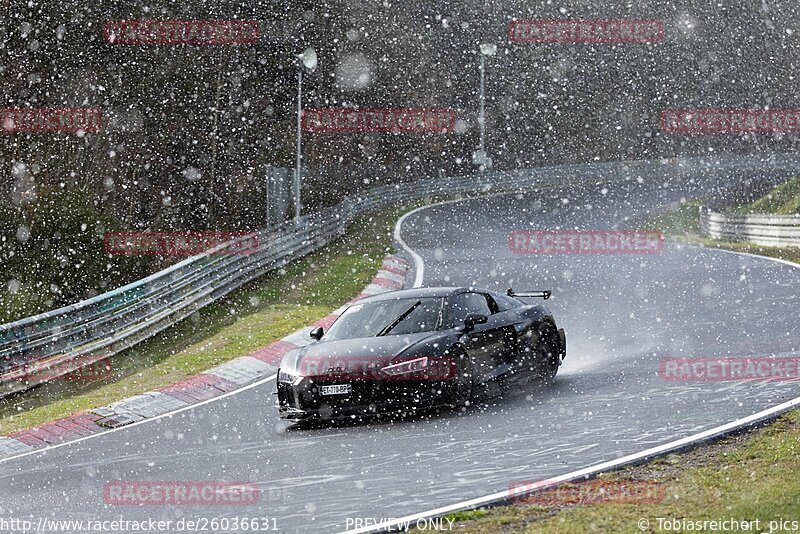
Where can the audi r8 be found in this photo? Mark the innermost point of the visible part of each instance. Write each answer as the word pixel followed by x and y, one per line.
pixel 420 348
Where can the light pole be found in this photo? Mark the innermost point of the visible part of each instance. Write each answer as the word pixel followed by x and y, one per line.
pixel 306 60
pixel 480 157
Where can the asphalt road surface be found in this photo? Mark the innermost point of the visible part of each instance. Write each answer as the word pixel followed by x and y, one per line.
pixel 623 314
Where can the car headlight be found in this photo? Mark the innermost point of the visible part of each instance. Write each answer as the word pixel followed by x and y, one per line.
pixel 410 366
pixel 286 377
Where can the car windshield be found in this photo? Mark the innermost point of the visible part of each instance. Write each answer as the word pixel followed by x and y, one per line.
pixel 387 317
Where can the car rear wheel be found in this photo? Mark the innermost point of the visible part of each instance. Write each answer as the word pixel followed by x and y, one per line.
pixel 548 352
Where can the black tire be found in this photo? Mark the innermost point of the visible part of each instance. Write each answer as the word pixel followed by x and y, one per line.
pixel 466 384
pixel 547 352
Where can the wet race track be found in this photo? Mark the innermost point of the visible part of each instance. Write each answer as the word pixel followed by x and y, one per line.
pixel 623 315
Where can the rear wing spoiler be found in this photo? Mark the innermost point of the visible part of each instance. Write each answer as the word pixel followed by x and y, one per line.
pixel 545 294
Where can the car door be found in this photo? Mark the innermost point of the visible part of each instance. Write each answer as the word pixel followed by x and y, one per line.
pixel 502 320
pixel 486 345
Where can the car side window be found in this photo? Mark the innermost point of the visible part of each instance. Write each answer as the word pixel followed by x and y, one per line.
pixel 464 304
pixel 506 303
pixel 494 306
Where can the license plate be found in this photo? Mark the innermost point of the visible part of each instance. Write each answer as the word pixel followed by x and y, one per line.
pixel 338 389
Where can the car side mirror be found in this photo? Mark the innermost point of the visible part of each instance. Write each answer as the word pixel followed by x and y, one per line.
pixel 317 333
pixel 474 319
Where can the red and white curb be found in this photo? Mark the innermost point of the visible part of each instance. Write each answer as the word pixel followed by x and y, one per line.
pixel 220 380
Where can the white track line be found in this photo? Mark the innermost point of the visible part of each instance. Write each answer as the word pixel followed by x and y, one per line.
pixel 417 281
pixel 749 254
pixel 605 466
pixel 419 265
pixel 420 270
pixel 474 503
pixel 590 471
pixel 143 421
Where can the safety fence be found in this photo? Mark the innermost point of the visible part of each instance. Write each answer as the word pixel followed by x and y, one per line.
pixel 62 340
pixel 768 230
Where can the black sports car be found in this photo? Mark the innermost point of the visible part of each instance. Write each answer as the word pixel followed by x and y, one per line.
pixel 420 348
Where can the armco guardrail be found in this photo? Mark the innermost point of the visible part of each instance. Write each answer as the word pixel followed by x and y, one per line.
pixel 62 340
pixel 768 230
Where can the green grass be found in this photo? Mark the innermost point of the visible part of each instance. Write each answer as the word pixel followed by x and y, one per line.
pixel 784 253
pixel 265 310
pixel 782 200
pixel 680 220
pixel 467 515
pixel 742 477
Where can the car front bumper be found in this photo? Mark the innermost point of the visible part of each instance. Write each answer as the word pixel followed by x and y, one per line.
pixel 367 397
